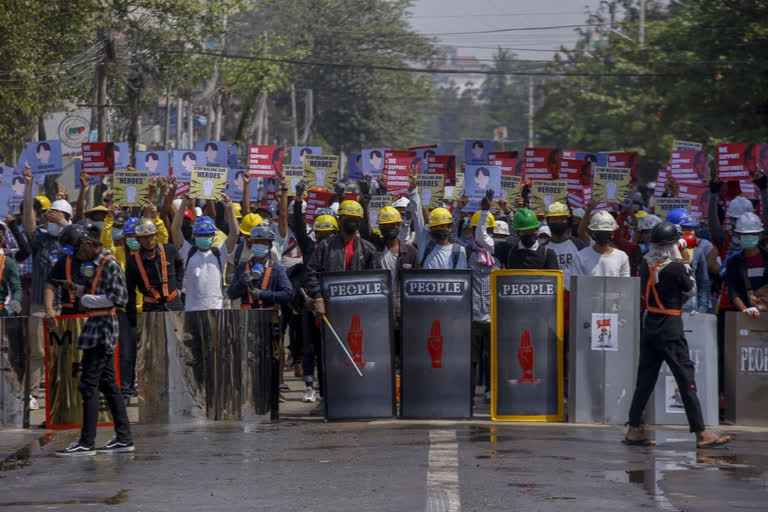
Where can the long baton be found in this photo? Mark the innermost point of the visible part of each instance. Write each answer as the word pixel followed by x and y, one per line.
pixel 341 343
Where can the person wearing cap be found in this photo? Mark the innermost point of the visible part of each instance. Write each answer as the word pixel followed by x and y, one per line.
pixel 43 236
pixel 666 283
pixel 745 273
pixel 529 253
pixel 407 235
pixel 544 235
pixel 99 284
pixel 204 263
pixel 687 223
pixel 562 241
pixel 601 259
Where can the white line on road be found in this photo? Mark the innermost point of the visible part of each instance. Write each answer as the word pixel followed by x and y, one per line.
pixel 443 472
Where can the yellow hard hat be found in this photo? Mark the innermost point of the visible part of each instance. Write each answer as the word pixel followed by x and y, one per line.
pixel 440 217
pixel 44 201
pixel 326 223
pixel 388 215
pixel 641 213
pixel 249 222
pixel 351 208
pixel 558 209
pixel 238 210
pixel 490 223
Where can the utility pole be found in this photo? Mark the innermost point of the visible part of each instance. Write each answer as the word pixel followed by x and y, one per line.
pixel 179 123
pixel 293 116
pixel 641 33
pixel 265 119
pixel 101 101
pixel 191 126
pixel 530 111
pixel 167 124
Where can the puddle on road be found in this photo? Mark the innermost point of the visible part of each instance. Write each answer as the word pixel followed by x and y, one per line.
pixel 117 499
pixel 21 457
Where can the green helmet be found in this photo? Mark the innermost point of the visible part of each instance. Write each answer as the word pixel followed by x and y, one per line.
pixel 524 220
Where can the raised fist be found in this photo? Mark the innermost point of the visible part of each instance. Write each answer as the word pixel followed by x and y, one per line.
pixel 435 345
pixel 525 357
pixel 355 340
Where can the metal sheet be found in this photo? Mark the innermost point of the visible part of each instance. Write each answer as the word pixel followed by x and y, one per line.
pixel 746 369
pixel 526 345
pixel 603 346
pixel 436 330
pixel 665 406
pixel 358 306
pixel 13 365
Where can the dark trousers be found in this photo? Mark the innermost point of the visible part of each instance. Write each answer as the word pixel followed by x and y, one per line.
pixel 312 348
pixel 99 375
pixel 654 350
pixel 127 354
pixel 481 342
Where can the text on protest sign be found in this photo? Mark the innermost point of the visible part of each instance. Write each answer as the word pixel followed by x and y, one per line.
pixel 610 184
pixel 546 192
pixel 98 158
pixel 431 189
pixel 208 182
pixel 293 175
pixel 665 204
pixel 542 163
pixel 131 188
pixel 265 161
pixel 736 161
pixel 317 199
pixel 445 165
pixel 321 171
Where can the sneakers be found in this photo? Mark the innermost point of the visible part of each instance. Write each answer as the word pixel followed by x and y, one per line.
pixel 76 450
pixel 117 446
pixel 309 395
pixel 282 398
pixel 318 410
pixel 285 387
pixel 33 403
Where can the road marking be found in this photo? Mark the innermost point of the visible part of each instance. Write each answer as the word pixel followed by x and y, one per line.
pixel 443 472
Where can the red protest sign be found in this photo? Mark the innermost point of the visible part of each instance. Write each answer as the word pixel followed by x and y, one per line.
pixel 576 172
pixel 397 165
pixel 98 158
pixel 265 161
pixel 626 160
pixel 699 196
pixel 542 163
pixel 445 165
pixel 317 198
pixel 661 183
pixel 509 161
pixel 689 166
pixel 736 161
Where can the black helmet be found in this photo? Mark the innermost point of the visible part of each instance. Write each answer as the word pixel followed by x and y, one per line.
pixel 91 231
pixel 664 233
pixel 70 238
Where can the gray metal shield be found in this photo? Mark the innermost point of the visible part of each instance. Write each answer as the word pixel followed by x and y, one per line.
pixel 13 365
pixel 526 345
pixel 358 306
pixel 746 369
pixel 436 355
pixel 602 371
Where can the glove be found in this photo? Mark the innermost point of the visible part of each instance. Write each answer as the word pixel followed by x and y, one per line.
pixel 752 312
pixel 255 292
pixel 248 278
pixel 13 307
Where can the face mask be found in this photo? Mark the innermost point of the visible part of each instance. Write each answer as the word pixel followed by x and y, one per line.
pixel 749 241
pixel 132 244
pixel 259 251
pixel 528 240
pixel 558 228
pixel 602 237
pixel 350 226
pixel 53 229
pixel 644 247
pixel 390 234
pixel 438 235
pixel 203 243
pixel 117 234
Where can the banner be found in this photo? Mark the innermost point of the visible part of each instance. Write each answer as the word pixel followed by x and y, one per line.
pixel 321 171
pixel 359 309
pixel 689 167
pixel 397 166
pixel 373 161
pixel 546 192
pixel 299 153
pixel 698 196
pixel 510 189
pixel 681 145
pixel 98 158
pixel 480 179
pixel 576 173
pixel 216 153
pixel 736 161
pixel 436 327
pixel 375 206
pixel 476 151
pixel 208 182
pixel 626 160
pixel 184 163
pixel 424 152
pixel 293 175
pixel 431 188
pixel 265 161
pixel 317 199
pixel 130 188
pixel 527 345
pixel 43 157
pixel 665 204
pixel 542 163
pixel 611 185
pixel 154 162
pixel 445 165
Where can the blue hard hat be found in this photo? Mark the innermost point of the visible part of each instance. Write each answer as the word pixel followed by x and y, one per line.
pixel 204 225
pixel 681 217
pixel 262 232
pixel 129 228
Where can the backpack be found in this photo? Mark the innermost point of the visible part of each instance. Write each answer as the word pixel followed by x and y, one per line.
pixel 455 253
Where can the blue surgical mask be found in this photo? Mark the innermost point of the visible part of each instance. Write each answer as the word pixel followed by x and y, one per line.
pixel 53 229
pixel 259 251
pixel 117 234
pixel 132 244
pixel 644 247
pixel 749 241
pixel 203 243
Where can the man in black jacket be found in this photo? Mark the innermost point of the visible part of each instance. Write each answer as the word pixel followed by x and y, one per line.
pixel 529 254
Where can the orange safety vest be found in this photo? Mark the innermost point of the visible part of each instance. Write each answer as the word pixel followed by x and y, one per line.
pixel 264 282
pixel 151 296
pixel 650 287
pixel 94 285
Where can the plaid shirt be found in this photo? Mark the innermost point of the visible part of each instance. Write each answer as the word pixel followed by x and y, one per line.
pixel 25 267
pixel 104 329
pixel 481 287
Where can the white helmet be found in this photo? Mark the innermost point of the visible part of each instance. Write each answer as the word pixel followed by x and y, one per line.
pixel 578 212
pixel 403 202
pixel 748 223
pixel 739 206
pixel 501 228
pixel 62 206
pixel 647 222
pixel 603 221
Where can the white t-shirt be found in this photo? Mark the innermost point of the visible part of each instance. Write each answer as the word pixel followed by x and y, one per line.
pixel 388 261
pixel 441 258
pixel 590 263
pixel 202 278
pixel 566 253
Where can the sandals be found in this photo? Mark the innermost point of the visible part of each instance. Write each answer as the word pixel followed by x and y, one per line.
pixel 719 441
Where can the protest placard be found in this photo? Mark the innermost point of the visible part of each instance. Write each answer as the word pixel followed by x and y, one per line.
pixel 298 153
pixel 542 163
pixel 478 180
pixel 682 145
pixel 373 161
pixel 235 186
pixel 736 161
pixel 445 165
pixel 576 172
pixel 623 159
pixel 546 192
pixel 476 151
pixel 432 189
pixel 508 161
pixel 510 188
pixel 397 166
pixel 216 152
pixel 184 163
pixel 130 188
pixel 265 161
pixel 665 204
pixel 698 195
pixel 374 207
pixel 355 166
pixel 293 174
pixel 317 199
pixel 43 157
pixel 689 167
pixel 98 158
pixel 208 182
pixel 321 171
pixel 457 189
pixel 610 184
pixel 424 152
pixel 154 162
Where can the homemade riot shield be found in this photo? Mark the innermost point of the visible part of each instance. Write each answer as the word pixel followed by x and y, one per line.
pixel 527 345
pixel 746 369
pixel 436 327
pixel 358 307
pixel 603 345
pixel 665 406
pixel 13 365
pixel 64 404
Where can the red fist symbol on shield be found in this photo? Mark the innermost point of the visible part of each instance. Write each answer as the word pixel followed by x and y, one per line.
pixel 355 340
pixel 525 357
pixel 435 345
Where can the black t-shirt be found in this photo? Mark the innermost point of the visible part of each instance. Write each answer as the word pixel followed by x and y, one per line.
pixel 59 273
pixel 541 258
pixel 673 282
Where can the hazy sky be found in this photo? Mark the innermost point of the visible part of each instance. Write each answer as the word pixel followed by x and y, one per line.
pixel 441 16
